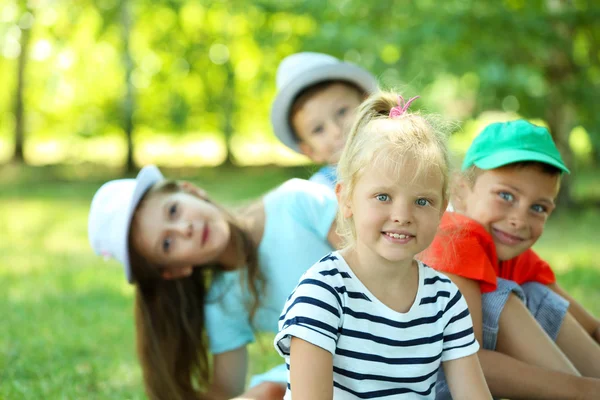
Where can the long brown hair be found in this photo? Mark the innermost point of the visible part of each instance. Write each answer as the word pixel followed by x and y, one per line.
pixel 172 345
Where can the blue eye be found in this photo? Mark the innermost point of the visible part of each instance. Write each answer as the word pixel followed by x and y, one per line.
pixel 317 130
pixel 506 196
pixel 382 197
pixel 342 111
pixel 539 208
pixel 423 202
pixel 172 209
pixel 166 244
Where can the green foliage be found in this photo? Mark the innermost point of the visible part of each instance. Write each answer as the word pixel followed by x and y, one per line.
pixel 208 67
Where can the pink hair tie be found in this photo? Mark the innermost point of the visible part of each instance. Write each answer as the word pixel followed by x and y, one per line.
pixel 402 106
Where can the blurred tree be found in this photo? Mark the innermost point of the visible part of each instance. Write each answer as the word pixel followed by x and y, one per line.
pixel 228 109
pixel 25 24
pixel 208 67
pixel 128 101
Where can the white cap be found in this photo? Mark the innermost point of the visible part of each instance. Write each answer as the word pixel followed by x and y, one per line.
pixel 302 70
pixel 111 212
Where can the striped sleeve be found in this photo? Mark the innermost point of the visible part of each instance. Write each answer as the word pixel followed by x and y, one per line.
pixel 312 313
pixel 459 338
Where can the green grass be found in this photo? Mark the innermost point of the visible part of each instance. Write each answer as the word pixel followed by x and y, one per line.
pixel 67 326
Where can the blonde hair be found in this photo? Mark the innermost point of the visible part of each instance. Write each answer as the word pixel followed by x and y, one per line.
pixel 377 139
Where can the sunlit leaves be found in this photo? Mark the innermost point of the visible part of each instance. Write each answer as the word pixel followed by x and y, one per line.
pixel 193 59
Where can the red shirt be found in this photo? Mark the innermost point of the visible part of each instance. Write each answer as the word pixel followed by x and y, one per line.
pixel 463 247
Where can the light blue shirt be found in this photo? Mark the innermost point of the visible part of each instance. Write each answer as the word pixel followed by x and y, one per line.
pixel 298 217
pixel 327 176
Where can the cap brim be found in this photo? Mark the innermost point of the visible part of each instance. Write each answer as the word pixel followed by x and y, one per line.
pixel 503 158
pixel 286 95
pixel 146 178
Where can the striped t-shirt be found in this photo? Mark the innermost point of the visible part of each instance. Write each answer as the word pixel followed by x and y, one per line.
pixel 377 352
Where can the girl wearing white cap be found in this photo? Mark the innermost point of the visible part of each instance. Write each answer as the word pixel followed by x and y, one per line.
pixel 206 280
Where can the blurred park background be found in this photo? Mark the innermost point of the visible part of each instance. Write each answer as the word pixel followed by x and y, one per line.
pixel 92 90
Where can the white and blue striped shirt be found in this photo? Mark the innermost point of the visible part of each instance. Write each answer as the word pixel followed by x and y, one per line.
pixel 378 353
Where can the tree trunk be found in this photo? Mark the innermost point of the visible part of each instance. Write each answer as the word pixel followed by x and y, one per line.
pixel 561 121
pixel 560 112
pixel 593 130
pixel 228 102
pixel 18 156
pixel 129 100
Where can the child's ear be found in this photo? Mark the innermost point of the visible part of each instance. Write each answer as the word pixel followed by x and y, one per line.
pixel 308 152
pixel 343 203
pixel 459 191
pixel 444 206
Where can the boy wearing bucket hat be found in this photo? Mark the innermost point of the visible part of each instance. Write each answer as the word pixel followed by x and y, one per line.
pixel 506 190
pixel 317 96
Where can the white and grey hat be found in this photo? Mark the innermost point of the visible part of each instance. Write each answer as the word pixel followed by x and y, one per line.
pixel 302 70
pixel 111 212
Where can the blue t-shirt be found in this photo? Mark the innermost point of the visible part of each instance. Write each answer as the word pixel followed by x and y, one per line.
pixel 327 176
pixel 298 217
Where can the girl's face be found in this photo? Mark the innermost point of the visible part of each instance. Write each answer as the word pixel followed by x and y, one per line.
pixel 179 230
pixel 395 217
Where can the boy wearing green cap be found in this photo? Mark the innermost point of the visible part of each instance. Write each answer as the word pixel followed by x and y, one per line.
pixel 502 199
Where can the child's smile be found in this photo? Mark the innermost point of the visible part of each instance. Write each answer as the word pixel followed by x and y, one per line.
pixel 506 238
pixel 512 204
pixel 396 218
pixel 400 237
pixel 188 231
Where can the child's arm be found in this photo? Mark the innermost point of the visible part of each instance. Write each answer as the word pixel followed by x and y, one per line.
pixel 229 374
pixel 590 324
pixel 508 377
pixel 577 338
pixel 525 371
pixel 311 371
pixel 265 391
pixel 465 378
pixel 308 327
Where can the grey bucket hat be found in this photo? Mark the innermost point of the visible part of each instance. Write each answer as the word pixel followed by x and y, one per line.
pixel 302 70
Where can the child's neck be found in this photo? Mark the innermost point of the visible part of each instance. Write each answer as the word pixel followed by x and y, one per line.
pixel 395 284
pixel 252 221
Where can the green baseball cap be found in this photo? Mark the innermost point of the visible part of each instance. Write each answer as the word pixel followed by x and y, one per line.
pixel 506 143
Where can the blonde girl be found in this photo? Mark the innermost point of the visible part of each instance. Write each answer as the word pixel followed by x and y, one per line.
pixel 370 321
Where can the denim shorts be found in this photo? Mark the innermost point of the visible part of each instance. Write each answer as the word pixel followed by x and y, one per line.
pixel 548 308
